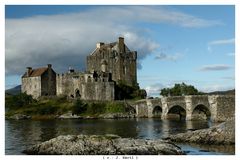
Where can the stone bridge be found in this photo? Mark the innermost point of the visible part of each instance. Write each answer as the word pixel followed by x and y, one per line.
pixel 213 107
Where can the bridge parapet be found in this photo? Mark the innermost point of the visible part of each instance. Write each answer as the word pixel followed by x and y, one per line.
pixel 218 107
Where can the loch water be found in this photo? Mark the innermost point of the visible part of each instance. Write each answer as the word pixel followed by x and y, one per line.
pixel 21 134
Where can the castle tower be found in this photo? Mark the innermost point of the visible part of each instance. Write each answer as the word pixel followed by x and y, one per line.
pixel 115 58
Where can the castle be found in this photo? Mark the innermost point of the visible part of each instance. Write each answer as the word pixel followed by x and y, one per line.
pixel 107 65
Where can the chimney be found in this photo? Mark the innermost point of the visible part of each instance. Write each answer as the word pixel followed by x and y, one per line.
pixel 49 66
pixel 99 44
pixel 70 70
pixel 121 44
pixel 29 70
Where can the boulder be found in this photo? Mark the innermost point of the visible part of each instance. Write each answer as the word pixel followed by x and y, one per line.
pixel 69 115
pixel 20 117
pixel 221 134
pixel 116 115
pixel 103 145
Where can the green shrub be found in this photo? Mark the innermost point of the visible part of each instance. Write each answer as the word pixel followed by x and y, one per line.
pixel 47 109
pixel 18 101
pixel 79 107
pixel 114 107
pixel 96 108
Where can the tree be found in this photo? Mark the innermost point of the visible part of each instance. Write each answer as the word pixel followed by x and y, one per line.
pixel 125 91
pixel 179 90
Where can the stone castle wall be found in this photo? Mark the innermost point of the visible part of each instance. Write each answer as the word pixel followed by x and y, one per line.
pixel 48 83
pixel 97 91
pixel 84 86
pixel 226 107
pixel 31 86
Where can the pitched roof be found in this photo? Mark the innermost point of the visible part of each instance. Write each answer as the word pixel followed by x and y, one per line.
pixel 36 72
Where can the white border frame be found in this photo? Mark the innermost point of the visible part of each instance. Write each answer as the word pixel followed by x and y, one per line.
pixel 116 2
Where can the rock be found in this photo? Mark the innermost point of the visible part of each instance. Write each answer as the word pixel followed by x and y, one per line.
pixel 223 133
pixel 103 145
pixel 20 117
pixel 69 115
pixel 116 115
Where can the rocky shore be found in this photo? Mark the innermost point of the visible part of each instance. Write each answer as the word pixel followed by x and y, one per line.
pixel 221 134
pixel 103 145
pixel 74 116
pixel 19 117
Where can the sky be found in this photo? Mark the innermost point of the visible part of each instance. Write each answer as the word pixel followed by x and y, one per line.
pixel 175 43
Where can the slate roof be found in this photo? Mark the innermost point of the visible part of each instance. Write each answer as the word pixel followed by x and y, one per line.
pixel 36 72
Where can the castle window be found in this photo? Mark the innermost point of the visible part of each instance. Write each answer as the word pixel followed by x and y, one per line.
pixel 89 79
pixel 124 70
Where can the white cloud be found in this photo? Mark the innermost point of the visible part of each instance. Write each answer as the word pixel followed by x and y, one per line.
pixel 215 67
pixel 229 78
pixel 222 42
pixel 154 89
pixel 170 57
pixel 66 39
pixel 215 87
pixel 231 54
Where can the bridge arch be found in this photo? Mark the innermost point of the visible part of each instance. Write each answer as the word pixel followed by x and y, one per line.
pixel 176 112
pixel 157 112
pixel 201 112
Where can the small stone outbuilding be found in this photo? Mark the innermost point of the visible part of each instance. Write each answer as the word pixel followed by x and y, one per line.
pixel 39 82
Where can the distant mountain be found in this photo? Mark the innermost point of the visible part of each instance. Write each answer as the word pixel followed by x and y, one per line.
pixel 229 92
pixel 14 91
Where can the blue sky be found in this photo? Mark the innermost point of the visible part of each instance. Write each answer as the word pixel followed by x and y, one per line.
pixel 191 44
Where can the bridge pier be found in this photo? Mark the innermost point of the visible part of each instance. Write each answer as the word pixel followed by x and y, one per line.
pixel 213 105
pixel 164 108
pixel 150 108
pixel 188 100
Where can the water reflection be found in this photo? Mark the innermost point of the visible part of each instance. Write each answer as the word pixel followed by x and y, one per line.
pixel 195 149
pixel 24 133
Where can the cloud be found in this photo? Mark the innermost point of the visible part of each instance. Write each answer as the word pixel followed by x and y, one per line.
pixel 229 78
pixel 231 54
pixel 215 67
pixel 154 89
pixel 215 87
pixel 66 39
pixel 174 57
pixel 222 42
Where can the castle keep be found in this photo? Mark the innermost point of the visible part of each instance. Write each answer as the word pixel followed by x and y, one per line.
pixel 107 65
pixel 116 59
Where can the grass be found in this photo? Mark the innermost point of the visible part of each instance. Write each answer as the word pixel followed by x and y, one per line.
pixel 50 108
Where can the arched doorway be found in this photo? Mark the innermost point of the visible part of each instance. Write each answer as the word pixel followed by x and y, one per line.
pixel 77 93
pixel 176 113
pixel 157 112
pixel 201 112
